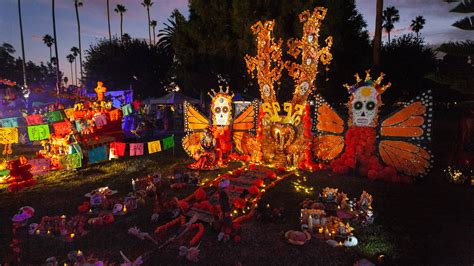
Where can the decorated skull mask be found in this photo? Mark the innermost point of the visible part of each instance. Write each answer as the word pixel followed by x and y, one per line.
pixel 222 109
pixel 364 106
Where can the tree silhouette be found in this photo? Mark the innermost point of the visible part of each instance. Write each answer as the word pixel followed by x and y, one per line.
pixel 417 25
pixel 153 26
pixel 71 58
pixel 120 9
pixel 390 16
pixel 108 20
pixel 22 45
pixel 49 41
pixel 147 4
pixel 77 4
pixel 75 52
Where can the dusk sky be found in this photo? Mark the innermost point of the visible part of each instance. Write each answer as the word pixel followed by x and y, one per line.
pixel 37 21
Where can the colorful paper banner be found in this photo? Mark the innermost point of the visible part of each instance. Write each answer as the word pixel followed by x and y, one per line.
pixel 35 119
pixel 8 135
pixel 154 146
pixel 127 109
pixel 100 120
pixel 136 149
pixel 38 132
pixel 55 116
pixel 40 166
pixel 9 122
pixel 69 112
pixel 114 115
pixel 97 155
pixel 74 160
pixel 119 148
pixel 168 142
pixel 62 128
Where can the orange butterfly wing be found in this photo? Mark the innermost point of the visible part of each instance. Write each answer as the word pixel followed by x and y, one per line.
pixel 401 134
pixel 192 143
pixel 193 119
pixel 246 122
pixel 406 122
pixel 406 157
pixel 329 142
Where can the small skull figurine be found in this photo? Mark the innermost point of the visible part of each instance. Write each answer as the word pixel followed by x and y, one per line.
pixel 266 90
pixel 304 88
pixel 364 105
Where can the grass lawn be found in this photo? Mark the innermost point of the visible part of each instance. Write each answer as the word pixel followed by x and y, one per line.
pixel 428 223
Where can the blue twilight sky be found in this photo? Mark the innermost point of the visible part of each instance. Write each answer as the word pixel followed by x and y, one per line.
pixel 37 22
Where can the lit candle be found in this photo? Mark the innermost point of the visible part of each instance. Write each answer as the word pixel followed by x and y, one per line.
pixel 310 223
pixel 320 230
pixel 72 235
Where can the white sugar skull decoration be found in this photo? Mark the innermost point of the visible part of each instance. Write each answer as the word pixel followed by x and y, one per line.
pixel 365 100
pixel 221 107
pixel 364 104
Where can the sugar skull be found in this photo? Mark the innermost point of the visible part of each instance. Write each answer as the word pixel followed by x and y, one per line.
pixel 364 104
pixel 365 100
pixel 221 108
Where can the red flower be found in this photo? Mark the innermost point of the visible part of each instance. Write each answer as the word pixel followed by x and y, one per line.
pixel 200 194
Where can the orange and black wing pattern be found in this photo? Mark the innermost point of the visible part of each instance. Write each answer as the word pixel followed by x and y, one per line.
pixel 404 136
pixel 193 119
pixel 330 127
pixel 194 125
pixel 192 143
pixel 243 129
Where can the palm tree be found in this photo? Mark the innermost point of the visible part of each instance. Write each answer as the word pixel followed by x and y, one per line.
pixel 71 58
pixel 148 4
pixel 108 21
pixel 390 16
pixel 75 52
pixel 417 25
pixel 120 9
pixel 58 80
pixel 22 46
pixel 77 4
pixel 153 25
pixel 165 35
pixel 378 35
pixel 49 41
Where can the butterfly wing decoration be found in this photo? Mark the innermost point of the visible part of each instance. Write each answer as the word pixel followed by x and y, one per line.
pixel 403 137
pixel 243 129
pixel 194 125
pixel 330 127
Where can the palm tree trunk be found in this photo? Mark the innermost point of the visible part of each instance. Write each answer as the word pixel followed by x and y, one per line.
pixel 154 34
pixel 50 54
pixel 79 36
pixel 58 82
pixel 72 76
pixel 75 71
pixel 121 25
pixel 149 33
pixel 377 36
pixel 108 20
pixel 22 46
pixel 388 32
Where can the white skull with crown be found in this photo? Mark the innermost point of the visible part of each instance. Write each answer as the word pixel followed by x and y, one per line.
pixel 365 100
